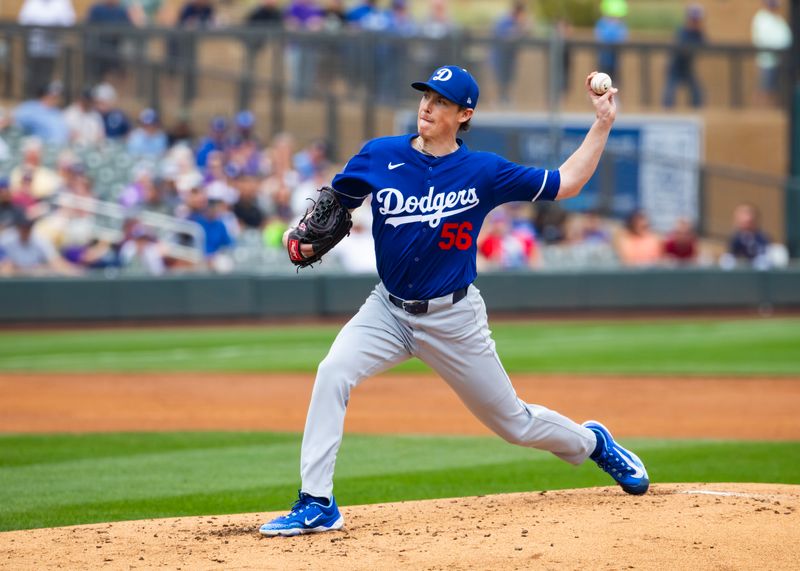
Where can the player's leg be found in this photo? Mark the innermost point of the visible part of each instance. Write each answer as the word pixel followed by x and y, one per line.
pixel 371 342
pixel 457 343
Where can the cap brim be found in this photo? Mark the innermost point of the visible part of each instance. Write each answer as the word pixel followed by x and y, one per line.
pixel 424 86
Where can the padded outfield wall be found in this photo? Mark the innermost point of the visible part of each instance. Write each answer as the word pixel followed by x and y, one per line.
pixel 308 295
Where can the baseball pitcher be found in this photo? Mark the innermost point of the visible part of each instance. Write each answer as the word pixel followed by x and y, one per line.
pixel 430 195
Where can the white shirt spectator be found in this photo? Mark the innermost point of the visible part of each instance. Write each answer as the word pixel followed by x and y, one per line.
pixel 86 127
pixel 45 13
pixel 770 30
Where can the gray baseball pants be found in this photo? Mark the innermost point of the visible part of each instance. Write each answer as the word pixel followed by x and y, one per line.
pixel 453 339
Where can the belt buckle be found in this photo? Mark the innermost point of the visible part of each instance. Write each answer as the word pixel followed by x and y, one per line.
pixel 415 307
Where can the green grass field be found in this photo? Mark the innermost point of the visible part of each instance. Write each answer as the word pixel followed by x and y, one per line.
pixel 688 347
pixel 64 479
pixel 48 480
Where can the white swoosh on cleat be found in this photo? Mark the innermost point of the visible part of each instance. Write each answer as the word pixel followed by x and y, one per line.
pixel 312 520
pixel 638 471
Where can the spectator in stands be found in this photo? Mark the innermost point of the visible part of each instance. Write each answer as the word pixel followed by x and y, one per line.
pixel 216 140
pixel 748 244
pixel 143 12
pixel 507 31
pixel 28 254
pixel 267 13
pixel 611 30
pixel 194 15
pixel 334 16
pixel 386 25
pixel 680 69
pixel 302 55
pixel 43 46
pixel 5 124
pixel 359 12
pixel 137 192
pixel 312 160
pixel 592 230
pixel 181 130
pixel 85 124
pixel 245 126
pixel 637 245
pixel 206 213
pixel 115 121
pixel 22 195
pixel 504 247
pixel 104 55
pixel 680 246
pixel 148 141
pixel 43 117
pixel 9 212
pixel 438 24
pixel 245 149
pixel 550 221
pixel 179 166
pixel 278 160
pixel 248 209
pixel 769 30
pixel 41 180
pixel 142 252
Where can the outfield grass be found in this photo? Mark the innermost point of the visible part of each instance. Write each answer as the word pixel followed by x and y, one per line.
pixel 70 479
pixel 685 347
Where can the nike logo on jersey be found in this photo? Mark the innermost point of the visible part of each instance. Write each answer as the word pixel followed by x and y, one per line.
pixel 312 520
pixel 430 208
pixel 397 166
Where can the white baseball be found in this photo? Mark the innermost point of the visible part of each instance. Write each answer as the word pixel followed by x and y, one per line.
pixel 601 83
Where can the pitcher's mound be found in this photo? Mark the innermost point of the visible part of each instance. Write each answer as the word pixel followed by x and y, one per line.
pixel 674 526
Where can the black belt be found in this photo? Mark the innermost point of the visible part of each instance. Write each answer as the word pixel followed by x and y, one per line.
pixel 417 307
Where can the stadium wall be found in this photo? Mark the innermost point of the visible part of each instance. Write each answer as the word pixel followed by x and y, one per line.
pixel 46 300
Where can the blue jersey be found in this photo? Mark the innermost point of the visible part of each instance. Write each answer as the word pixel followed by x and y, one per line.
pixel 427 211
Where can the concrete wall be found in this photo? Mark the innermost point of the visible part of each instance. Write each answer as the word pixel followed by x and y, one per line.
pixel 309 295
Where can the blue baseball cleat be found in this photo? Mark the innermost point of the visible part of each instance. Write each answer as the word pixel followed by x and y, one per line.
pixel 621 464
pixel 308 515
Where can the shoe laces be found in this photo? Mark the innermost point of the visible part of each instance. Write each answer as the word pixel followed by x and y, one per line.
pixel 300 504
pixel 611 462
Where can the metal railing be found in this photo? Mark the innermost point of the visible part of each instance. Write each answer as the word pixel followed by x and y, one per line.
pixel 339 68
pixel 181 239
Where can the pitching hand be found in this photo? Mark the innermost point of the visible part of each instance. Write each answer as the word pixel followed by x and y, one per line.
pixel 604 105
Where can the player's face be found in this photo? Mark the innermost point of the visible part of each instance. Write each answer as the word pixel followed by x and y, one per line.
pixel 438 116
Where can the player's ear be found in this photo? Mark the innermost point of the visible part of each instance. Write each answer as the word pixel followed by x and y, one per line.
pixel 465 114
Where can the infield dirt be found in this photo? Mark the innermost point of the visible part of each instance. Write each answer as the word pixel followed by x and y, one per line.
pixel 686 526
pixel 730 408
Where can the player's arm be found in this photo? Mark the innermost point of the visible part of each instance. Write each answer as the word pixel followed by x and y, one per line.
pixel 580 166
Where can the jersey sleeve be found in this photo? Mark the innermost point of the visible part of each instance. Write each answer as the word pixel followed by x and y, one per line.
pixel 353 183
pixel 515 182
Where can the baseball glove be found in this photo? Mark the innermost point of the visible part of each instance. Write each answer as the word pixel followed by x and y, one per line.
pixel 323 226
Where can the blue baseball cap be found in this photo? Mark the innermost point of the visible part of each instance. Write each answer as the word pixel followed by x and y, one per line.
pixel 453 82
pixel 245 119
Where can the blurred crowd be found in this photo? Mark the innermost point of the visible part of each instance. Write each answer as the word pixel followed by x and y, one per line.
pixel 240 192
pixel 226 181
pixel 394 19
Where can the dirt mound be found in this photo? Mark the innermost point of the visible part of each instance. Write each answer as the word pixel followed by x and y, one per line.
pixel 685 526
